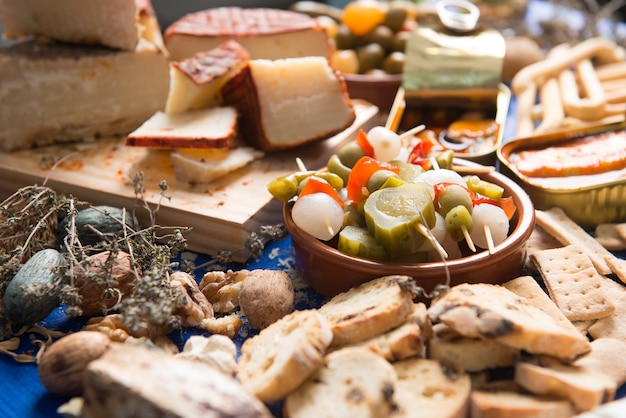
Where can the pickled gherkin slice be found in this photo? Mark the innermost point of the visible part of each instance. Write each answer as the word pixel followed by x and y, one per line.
pixel 392 216
pixel 359 242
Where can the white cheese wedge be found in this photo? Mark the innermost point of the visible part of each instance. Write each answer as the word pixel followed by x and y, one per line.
pixel 289 102
pixel 264 32
pixel 58 93
pixel 196 82
pixel 214 127
pixel 112 23
pixel 201 166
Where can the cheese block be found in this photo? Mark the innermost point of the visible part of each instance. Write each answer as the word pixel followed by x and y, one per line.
pixel 112 23
pixel 289 102
pixel 197 82
pixel 57 93
pixel 264 32
pixel 214 127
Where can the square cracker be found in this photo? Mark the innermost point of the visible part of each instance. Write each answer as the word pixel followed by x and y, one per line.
pixel 556 222
pixel 539 240
pixel 608 235
pixel 618 266
pixel 614 325
pixel 573 283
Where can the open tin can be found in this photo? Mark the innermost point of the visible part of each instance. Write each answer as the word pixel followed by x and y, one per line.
pixel 580 170
pixel 451 82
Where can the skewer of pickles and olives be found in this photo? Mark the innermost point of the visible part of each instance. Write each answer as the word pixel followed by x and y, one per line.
pixel 394 197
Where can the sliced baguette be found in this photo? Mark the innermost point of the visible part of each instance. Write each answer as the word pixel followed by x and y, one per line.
pixel 489 311
pixel 407 340
pixel 585 388
pixel 354 382
pixel 469 354
pixel 426 388
pixel 283 355
pixel 510 404
pixel 368 310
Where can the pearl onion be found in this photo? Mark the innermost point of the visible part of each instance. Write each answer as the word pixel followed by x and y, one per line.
pixel 318 214
pixel 386 143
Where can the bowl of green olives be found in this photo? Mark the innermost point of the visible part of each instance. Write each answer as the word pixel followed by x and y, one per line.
pixel 330 269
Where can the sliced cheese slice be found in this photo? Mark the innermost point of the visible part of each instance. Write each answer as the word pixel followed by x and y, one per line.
pixel 196 82
pixel 214 127
pixel 288 102
pixel 201 166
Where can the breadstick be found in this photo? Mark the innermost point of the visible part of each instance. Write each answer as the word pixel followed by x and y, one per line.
pixel 612 71
pixel 607 50
pixel 551 104
pixel 616 96
pixel 525 103
pixel 614 84
pixel 586 108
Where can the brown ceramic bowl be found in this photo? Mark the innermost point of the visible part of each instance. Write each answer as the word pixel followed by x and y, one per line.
pixel 330 271
pixel 379 89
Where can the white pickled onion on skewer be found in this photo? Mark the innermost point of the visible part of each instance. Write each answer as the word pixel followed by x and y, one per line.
pixel 318 214
pixel 495 218
pixel 386 143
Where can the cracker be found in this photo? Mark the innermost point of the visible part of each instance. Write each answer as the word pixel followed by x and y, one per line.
pixel 606 356
pixel 539 240
pixel 573 283
pixel 621 230
pixel 607 234
pixel 618 266
pixel 613 326
pixel 556 222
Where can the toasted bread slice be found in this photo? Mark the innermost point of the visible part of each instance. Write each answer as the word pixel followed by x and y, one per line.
pixel 369 309
pixel 426 388
pixel 354 382
pixel 489 311
pixel 283 355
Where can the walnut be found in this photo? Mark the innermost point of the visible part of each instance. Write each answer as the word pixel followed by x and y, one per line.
pixel 222 289
pixel 196 307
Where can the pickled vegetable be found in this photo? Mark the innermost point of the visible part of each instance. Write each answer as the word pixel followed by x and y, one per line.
pixel 485 188
pixel 495 219
pixel 392 216
pixel 359 242
pixel 360 175
pixel 448 196
pixel 457 219
pixel 319 215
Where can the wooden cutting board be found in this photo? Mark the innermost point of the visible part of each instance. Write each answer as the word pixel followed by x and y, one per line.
pixel 222 214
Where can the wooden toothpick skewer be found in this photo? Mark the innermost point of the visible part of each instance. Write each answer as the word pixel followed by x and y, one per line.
pixel 412 131
pixel 433 241
pixel 300 164
pixel 466 234
pixel 396 112
pixel 489 238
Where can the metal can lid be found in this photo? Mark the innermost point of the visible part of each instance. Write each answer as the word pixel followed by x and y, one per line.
pixel 458 15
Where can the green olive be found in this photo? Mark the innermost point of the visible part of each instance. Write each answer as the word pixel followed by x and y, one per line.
pixel 345 61
pixel 394 63
pixel 370 57
pixel 344 38
pixel 457 219
pixel 399 40
pixel 378 178
pixel 394 18
pixel 452 196
pixel 350 153
pixel 381 35
pixel 315 8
